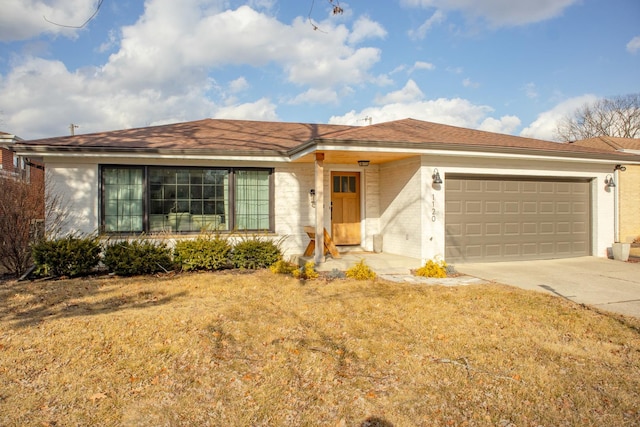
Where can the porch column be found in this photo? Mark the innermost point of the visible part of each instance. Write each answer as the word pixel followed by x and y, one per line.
pixel 319 184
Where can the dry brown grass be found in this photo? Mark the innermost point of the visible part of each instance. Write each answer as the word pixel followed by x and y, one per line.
pixel 261 349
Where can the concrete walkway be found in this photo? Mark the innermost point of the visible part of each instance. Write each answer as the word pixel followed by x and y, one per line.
pixel 599 282
pixel 603 283
pixel 390 267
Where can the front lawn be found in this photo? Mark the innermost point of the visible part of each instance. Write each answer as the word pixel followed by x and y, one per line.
pixel 264 349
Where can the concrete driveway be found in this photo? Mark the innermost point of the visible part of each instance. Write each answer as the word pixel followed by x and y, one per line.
pixel 599 282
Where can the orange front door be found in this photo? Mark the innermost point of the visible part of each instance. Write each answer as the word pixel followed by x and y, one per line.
pixel 345 208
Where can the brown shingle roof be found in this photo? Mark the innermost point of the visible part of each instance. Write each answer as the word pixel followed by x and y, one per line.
pixel 246 136
pixel 610 143
pixel 420 132
pixel 209 134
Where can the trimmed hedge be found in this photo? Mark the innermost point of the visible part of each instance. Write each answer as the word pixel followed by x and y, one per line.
pixel 254 253
pixel 136 257
pixel 69 256
pixel 203 253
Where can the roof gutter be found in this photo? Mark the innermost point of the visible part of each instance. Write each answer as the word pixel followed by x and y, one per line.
pixel 146 153
pixel 439 148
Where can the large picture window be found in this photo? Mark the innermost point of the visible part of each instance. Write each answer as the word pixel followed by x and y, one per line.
pixel 173 199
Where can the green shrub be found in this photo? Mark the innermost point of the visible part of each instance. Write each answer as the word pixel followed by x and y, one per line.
pixel 68 256
pixel 254 253
pixel 283 267
pixel 432 268
pixel 361 271
pixel 129 258
pixel 203 253
pixel 307 272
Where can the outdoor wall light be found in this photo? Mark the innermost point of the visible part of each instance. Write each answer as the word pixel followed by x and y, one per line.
pixel 620 168
pixel 363 163
pixel 608 180
pixel 312 197
pixel 436 177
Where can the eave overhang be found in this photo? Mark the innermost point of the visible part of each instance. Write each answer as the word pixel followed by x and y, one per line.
pixel 379 151
pixel 459 150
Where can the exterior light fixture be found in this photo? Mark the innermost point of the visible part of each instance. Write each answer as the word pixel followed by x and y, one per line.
pixel 620 168
pixel 312 197
pixel 608 180
pixel 436 177
pixel 363 163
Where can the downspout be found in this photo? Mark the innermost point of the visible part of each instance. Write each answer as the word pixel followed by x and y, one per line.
pixel 319 184
pixel 616 207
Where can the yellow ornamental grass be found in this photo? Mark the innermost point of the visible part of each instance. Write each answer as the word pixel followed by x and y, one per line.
pixel 437 269
pixel 360 271
pixel 308 272
pixel 283 267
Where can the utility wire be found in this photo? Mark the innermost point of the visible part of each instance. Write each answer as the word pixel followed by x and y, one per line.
pixel 77 26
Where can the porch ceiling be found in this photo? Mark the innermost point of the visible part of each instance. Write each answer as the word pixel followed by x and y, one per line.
pixel 351 158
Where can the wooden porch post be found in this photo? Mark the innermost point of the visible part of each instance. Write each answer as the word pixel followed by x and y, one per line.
pixel 319 184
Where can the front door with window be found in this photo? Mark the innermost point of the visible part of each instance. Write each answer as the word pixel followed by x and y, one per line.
pixel 345 208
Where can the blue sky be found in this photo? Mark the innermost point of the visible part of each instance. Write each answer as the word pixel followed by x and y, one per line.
pixel 510 66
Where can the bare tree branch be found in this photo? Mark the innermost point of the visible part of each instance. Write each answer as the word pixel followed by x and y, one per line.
pixel 616 117
pixel 78 26
pixel 337 10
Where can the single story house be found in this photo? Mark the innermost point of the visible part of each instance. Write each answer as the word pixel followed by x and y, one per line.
pixel 628 184
pixel 406 187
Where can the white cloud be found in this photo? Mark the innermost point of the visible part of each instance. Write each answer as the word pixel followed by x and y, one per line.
pixel 316 96
pixel 500 12
pixel 23 19
pixel 421 65
pixel 634 45
pixel 530 90
pixel 110 43
pixel 238 85
pixel 263 109
pixel 437 18
pixel 505 124
pixel 544 127
pixel 170 34
pixel 409 102
pixel 469 83
pixel 159 68
pixel 409 93
pixel 364 28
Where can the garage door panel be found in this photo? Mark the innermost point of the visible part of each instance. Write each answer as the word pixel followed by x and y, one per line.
pixel 506 219
pixel 473 187
pixel 473 230
pixel 546 248
pixel 493 250
pixel 492 207
pixel 511 208
pixel 492 229
pixel 546 207
pixel 472 207
pixel 529 249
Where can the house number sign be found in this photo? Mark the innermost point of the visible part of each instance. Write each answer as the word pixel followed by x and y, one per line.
pixel 433 208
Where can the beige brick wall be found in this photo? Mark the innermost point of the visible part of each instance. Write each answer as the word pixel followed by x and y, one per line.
pixel 401 207
pixel 291 205
pixel 629 187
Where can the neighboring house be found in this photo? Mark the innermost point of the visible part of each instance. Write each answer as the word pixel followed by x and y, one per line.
pixel 15 167
pixel 10 164
pixel 417 189
pixel 627 184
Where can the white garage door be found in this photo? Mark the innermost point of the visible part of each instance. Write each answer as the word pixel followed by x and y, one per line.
pixel 505 219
